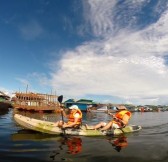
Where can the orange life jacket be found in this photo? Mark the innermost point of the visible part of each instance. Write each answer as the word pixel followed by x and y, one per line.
pixel 72 117
pixel 120 116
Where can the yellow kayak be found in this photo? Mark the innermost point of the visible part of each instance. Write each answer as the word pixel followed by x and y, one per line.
pixel 50 128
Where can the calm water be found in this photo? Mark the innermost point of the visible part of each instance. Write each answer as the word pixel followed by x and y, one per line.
pixel 148 145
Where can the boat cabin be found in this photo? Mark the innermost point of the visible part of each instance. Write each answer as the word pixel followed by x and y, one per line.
pixel 35 101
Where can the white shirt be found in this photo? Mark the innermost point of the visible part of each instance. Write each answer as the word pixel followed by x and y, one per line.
pixel 77 115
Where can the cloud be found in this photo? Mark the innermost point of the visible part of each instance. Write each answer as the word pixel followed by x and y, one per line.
pixel 97 12
pixel 128 64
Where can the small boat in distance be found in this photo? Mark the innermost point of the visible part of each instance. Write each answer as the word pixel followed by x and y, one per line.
pixel 99 109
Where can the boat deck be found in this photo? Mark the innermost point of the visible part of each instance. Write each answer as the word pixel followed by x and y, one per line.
pixel 35 102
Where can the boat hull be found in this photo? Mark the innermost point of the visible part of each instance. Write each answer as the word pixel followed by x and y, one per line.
pixel 5 105
pixel 50 128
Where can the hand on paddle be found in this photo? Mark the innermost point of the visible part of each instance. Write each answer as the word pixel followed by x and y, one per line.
pixel 61 109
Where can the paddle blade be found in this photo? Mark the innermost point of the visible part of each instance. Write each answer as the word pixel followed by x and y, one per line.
pixel 60 98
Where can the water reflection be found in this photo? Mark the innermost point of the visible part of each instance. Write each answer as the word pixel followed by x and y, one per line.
pixel 72 145
pixel 30 135
pixel 62 144
pixel 3 111
pixel 149 144
pixel 119 142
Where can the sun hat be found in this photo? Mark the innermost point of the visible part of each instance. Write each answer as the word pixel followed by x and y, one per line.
pixel 74 107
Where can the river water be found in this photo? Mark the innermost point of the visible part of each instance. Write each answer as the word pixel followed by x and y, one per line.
pixel 148 145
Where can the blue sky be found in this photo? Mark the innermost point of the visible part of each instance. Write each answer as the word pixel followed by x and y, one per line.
pixel 105 50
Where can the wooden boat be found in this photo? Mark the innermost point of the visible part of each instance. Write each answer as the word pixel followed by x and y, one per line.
pixel 35 102
pixel 50 128
pixel 5 102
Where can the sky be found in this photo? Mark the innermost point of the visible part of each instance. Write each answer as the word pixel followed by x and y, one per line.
pixel 108 51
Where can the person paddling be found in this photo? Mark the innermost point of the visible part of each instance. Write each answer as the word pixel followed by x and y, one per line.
pixel 74 118
pixel 120 120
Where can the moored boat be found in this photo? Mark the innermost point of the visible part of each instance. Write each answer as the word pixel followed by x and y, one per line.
pixel 5 102
pixel 30 101
pixel 102 109
pixel 50 128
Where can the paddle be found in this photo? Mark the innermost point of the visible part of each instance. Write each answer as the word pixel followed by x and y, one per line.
pixel 60 98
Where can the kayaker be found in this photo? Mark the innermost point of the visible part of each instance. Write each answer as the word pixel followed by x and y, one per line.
pixel 74 118
pixel 120 120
